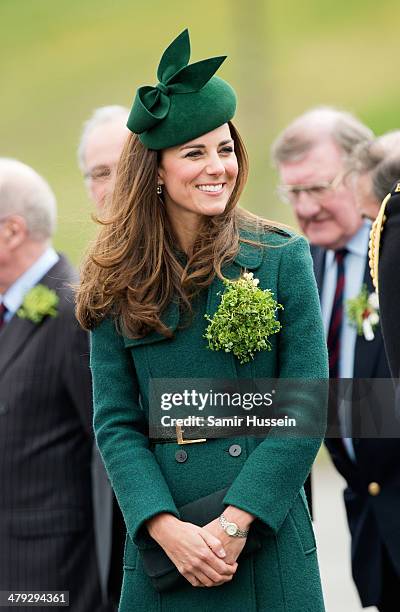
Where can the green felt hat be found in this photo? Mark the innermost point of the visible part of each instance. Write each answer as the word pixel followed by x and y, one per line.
pixel 188 100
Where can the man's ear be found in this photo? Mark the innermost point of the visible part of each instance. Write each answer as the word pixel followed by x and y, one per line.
pixel 16 231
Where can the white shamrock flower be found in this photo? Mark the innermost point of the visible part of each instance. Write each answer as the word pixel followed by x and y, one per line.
pixel 373 300
pixel 248 276
pixel 374 318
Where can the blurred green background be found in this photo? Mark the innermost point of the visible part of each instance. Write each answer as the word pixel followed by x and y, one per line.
pixel 61 59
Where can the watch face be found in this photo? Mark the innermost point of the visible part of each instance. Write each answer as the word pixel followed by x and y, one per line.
pixel 231 529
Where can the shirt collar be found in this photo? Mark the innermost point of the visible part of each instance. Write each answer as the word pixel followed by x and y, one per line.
pixel 14 296
pixel 356 244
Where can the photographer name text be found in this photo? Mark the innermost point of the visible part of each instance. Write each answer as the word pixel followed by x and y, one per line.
pixel 235 421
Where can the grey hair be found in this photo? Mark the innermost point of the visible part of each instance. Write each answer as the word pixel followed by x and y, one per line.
pixel 381 158
pixel 318 124
pixel 385 175
pixel 367 155
pixel 24 192
pixel 100 116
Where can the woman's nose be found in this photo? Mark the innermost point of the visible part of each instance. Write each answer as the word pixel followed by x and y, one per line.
pixel 215 165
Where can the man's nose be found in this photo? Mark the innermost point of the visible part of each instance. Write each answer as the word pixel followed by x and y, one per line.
pixel 305 205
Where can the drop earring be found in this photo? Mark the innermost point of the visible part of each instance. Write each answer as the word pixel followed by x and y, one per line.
pixel 159 190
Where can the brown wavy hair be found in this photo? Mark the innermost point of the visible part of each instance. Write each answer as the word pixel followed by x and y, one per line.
pixel 133 269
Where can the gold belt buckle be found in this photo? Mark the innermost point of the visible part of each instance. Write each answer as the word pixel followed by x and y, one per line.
pixel 180 440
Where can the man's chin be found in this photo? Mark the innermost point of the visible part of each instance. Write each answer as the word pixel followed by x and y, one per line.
pixel 321 238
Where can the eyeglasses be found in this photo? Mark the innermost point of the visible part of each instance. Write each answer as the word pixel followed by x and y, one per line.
pixel 99 174
pixel 317 191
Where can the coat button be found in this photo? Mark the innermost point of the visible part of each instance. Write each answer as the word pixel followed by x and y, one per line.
pixel 235 450
pixel 181 456
pixel 374 488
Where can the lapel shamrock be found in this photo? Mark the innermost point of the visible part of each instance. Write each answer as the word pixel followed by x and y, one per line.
pixel 363 313
pixel 38 303
pixel 244 320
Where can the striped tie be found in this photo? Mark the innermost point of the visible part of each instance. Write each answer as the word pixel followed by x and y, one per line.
pixel 335 324
pixel 3 311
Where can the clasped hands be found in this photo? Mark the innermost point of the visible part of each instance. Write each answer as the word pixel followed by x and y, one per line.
pixel 205 556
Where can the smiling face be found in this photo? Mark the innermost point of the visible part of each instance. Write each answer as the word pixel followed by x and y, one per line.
pixel 199 176
pixel 330 218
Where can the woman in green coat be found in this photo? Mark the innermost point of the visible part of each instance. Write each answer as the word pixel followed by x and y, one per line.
pixel 173 235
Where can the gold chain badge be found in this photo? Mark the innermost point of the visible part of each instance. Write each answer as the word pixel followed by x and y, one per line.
pixel 375 242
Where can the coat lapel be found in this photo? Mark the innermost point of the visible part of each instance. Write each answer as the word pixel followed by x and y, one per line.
pixel 13 337
pixel 249 258
pixel 170 318
pixel 15 334
pixel 318 257
pixel 367 352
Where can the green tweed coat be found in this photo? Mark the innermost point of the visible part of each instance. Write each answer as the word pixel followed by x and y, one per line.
pixel 266 478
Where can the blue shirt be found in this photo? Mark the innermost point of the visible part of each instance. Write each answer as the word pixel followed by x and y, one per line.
pixel 354 268
pixel 14 296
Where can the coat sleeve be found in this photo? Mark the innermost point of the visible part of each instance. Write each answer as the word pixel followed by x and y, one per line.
pixel 276 470
pixel 121 433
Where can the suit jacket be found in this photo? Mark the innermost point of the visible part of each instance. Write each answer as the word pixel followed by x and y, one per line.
pixel 46 513
pixel 264 475
pixel 389 282
pixel 373 519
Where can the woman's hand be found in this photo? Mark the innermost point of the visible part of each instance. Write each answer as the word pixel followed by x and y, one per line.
pixel 198 554
pixel 232 546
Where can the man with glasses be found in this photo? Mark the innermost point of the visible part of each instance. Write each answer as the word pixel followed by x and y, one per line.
pixel 311 156
pixel 102 140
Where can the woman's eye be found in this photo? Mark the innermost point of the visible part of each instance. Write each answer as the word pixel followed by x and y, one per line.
pixel 193 153
pixel 227 150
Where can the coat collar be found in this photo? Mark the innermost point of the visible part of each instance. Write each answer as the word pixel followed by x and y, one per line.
pixel 249 257
pixel 170 318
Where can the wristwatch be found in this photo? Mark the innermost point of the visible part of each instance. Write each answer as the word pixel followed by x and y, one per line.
pixel 232 529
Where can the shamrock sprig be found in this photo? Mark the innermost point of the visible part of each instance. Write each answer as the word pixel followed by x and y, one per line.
pixel 244 320
pixel 38 303
pixel 363 313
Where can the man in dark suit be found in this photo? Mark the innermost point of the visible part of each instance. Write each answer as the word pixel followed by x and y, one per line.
pixel 102 140
pixel 375 167
pixel 311 156
pixel 389 277
pixel 46 514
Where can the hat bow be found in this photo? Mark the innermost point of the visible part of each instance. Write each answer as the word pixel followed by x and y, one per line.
pixel 175 76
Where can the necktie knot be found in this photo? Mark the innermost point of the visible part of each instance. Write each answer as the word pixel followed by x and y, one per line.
pixel 340 254
pixel 3 311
